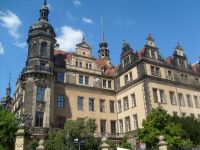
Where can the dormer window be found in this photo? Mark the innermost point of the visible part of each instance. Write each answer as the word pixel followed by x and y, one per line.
pixel 152 54
pixel 126 61
pixel 43 49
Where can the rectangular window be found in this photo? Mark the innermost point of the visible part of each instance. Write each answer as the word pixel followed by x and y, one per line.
pixel 109 84
pixel 155 95
pixel 170 77
pixel 162 97
pixel 126 79
pixel 155 71
pixel 172 98
pixel 181 100
pixel 102 106
pixel 198 115
pixel 39 119
pixel 86 80
pixel 104 83
pixel 119 106
pixel 189 100
pixel 135 121
pixel 113 127
pixel 175 113
pixel 80 103
pixel 60 101
pixel 153 55
pixel 80 64
pixel 197 102
pixel 130 76
pixel 81 79
pixel 183 114
pixel 126 106
pixel 192 115
pixel 60 76
pixel 40 94
pixel 91 104
pixel 103 126
pixel 133 100
pixel 112 106
pixel 127 124
pixel 121 126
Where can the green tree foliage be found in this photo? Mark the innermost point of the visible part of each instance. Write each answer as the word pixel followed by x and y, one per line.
pixel 124 143
pixel 8 128
pixel 191 127
pixel 160 123
pixel 83 130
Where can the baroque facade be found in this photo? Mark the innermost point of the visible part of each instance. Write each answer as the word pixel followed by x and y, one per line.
pixel 56 86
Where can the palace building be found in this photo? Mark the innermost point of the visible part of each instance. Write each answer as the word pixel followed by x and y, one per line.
pixel 56 86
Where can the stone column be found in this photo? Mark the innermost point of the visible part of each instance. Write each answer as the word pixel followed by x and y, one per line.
pixel 41 146
pixel 162 144
pixel 104 145
pixel 20 138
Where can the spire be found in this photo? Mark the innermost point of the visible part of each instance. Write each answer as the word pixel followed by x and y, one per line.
pixel 8 89
pixel 178 46
pixel 44 12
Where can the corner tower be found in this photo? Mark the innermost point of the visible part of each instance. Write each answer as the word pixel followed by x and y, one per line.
pixel 35 86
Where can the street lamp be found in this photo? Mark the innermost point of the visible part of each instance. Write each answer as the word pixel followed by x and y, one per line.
pixel 76 141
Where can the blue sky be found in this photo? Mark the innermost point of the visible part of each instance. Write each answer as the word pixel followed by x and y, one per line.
pixel 169 21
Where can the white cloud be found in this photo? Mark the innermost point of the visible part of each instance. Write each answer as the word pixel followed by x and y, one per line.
pixel 69 38
pixel 87 20
pixel 10 21
pixel 1 49
pixel 77 2
pixel 20 44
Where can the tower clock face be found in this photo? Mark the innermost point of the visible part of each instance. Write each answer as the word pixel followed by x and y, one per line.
pixel 179 52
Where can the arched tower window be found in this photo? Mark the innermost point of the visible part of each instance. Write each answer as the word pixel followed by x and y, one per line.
pixel 43 49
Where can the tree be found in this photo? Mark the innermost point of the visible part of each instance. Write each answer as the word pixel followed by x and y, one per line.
pixel 160 123
pixel 191 127
pixel 82 129
pixel 124 143
pixel 8 128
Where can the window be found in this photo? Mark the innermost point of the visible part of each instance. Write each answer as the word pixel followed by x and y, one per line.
pixel 40 93
pixel 91 104
pixel 121 126
pixel 113 127
pixel 80 103
pixel 153 55
pixel 103 126
pixel 162 97
pixel 159 96
pixel 109 84
pixel 155 96
pixel 170 76
pixel 102 106
pixel 81 79
pixel 181 100
pixel 126 106
pixel 60 101
pixel 127 124
pixel 198 116
pixel 130 76
pixel 80 64
pixel 135 121
pixel 39 119
pixel 76 63
pixel 133 100
pixel 60 76
pixel 175 113
pixel 126 79
pixel 155 71
pixel 84 80
pixel 119 106
pixel 43 49
pixel 189 100
pixel 104 83
pixel 172 98
pixel 88 65
pixel 112 106
pixel 197 102
pixel 126 61
pixel 192 115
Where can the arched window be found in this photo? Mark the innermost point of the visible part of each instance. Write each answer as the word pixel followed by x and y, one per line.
pixel 43 49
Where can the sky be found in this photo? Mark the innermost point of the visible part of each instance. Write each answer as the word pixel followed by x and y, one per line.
pixel 169 22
